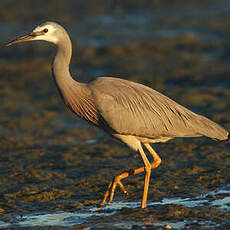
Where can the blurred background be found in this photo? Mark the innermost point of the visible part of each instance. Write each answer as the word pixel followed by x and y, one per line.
pixel 52 161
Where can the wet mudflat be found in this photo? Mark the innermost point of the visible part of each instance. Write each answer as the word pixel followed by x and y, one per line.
pixel 54 168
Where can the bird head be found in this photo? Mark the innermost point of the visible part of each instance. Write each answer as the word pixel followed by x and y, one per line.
pixel 48 31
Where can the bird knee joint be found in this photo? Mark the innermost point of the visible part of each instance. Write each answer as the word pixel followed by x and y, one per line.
pixel 148 167
pixel 158 162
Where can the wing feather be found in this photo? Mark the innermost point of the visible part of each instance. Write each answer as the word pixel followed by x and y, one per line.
pixel 135 109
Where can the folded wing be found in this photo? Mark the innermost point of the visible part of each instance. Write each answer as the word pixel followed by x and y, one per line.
pixel 135 109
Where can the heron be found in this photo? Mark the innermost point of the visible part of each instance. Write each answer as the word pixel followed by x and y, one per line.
pixel 132 113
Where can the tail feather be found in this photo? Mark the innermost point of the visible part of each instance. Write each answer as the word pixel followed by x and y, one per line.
pixel 211 129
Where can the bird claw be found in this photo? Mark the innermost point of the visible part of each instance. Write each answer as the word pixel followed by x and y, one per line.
pixel 111 189
pixel 126 193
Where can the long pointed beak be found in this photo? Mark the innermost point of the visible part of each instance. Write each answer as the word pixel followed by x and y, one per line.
pixel 25 38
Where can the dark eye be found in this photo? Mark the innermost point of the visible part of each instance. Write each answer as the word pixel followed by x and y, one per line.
pixel 45 30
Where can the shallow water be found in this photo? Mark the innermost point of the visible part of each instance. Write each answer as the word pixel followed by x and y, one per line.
pixel 85 215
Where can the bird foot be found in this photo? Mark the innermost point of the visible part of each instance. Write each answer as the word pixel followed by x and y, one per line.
pixel 111 189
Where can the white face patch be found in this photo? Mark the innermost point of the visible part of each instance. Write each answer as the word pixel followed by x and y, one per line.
pixel 40 28
pixel 48 36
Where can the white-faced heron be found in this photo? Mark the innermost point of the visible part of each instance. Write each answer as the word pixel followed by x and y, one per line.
pixel 130 112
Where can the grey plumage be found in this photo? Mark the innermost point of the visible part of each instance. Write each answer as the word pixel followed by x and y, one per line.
pixel 157 115
pixel 133 113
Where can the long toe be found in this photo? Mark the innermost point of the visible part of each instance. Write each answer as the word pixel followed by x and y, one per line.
pixel 122 187
pixel 106 194
pixel 111 189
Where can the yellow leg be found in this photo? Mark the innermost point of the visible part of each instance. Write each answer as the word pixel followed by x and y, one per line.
pixel 156 159
pixel 147 177
pixel 117 180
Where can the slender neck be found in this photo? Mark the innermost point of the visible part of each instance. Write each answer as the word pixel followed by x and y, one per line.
pixel 76 95
pixel 65 50
pixel 61 63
